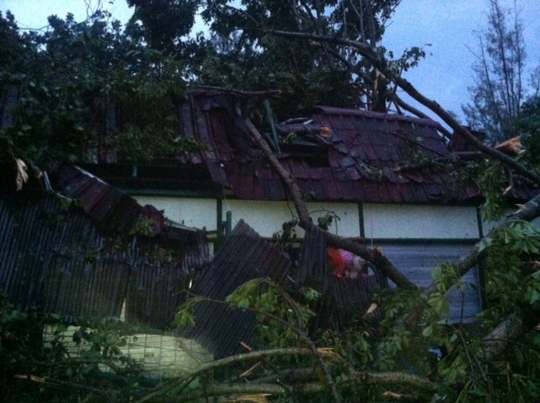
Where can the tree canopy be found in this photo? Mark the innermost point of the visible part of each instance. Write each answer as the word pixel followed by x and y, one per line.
pixel 71 76
pixel 503 82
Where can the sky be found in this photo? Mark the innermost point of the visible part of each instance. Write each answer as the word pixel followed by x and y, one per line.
pixel 448 25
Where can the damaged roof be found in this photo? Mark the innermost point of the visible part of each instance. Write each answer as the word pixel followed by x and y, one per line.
pixel 244 256
pixel 82 258
pixel 336 155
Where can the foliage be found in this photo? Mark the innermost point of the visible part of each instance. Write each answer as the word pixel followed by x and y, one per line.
pixel 38 369
pixel 165 22
pixel 89 88
pixel 413 336
pixel 97 91
pixel 493 182
pixel 242 55
pixel 500 72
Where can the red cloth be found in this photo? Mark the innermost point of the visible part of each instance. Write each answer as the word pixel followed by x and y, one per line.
pixel 337 261
pixel 344 263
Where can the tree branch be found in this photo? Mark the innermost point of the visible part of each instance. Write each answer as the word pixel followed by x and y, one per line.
pixel 444 115
pixel 299 331
pixel 355 377
pixel 496 341
pixel 359 378
pixel 380 63
pixel 239 358
pixel 419 114
pixel 242 93
pixel 374 256
pixel 58 384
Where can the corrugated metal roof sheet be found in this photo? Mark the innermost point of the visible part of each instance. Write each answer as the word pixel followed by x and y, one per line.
pixel 59 259
pixel 341 296
pixel 243 257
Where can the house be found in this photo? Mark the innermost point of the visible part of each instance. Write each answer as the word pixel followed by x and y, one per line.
pixel 385 178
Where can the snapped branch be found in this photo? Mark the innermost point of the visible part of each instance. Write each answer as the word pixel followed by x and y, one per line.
pixel 374 256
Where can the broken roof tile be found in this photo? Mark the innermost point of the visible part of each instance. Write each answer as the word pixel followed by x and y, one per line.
pixel 362 142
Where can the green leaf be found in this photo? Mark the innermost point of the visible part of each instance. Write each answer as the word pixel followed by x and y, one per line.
pixel 477 392
pixel 428 331
pixel 243 303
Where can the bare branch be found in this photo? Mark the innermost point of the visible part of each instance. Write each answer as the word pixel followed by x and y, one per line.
pixel 399 101
pixel 496 341
pixel 360 378
pixel 58 384
pixel 444 115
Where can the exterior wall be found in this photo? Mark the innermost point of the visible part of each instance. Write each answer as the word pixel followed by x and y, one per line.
pixel 447 225
pixel 410 222
pixel 267 217
pixel 417 261
pixel 196 213
pixel 381 221
pixel 400 223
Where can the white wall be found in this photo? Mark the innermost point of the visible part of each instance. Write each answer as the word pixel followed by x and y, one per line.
pixel 435 222
pixel 196 213
pixel 267 217
pixel 380 220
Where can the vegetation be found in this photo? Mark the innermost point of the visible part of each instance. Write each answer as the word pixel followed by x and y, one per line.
pixel 76 73
pixel 363 360
pixel 73 77
pixel 503 83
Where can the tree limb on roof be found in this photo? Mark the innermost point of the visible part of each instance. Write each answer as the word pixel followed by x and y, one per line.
pixel 380 63
pixel 399 101
pixel 374 256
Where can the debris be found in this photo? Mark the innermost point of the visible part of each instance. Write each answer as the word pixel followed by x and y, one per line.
pixel 22 173
pixel 512 146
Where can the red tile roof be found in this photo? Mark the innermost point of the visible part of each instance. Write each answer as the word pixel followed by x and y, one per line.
pixel 356 163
